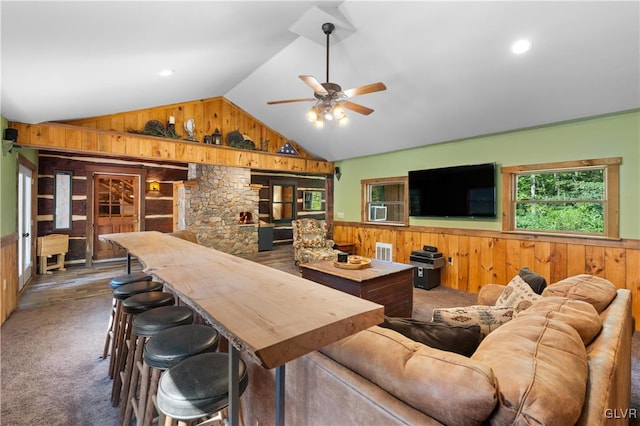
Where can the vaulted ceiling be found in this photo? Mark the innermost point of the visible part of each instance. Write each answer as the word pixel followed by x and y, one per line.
pixel 447 66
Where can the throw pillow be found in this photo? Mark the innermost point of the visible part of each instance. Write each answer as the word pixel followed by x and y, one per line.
pixel 589 288
pixel 487 317
pixel 536 281
pixel 461 339
pixel 518 295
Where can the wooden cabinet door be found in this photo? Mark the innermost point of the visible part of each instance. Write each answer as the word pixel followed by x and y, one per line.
pixel 116 208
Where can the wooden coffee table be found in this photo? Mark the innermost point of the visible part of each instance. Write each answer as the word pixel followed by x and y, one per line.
pixel 386 283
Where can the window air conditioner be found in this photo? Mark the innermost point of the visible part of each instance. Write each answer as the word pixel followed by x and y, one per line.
pixel 377 213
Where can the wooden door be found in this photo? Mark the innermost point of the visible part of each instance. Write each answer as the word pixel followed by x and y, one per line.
pixel 116 208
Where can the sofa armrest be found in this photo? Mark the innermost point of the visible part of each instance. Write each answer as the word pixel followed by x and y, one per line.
pixel 489 293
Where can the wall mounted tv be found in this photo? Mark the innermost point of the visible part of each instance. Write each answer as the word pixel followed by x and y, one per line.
pixel 458 191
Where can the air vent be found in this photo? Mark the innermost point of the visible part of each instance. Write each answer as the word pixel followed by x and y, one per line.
pixel 384 252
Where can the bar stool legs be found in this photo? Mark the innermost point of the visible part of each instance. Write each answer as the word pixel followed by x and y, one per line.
pixel 131 307
pixel 113 284
pixel 145 326
pixel 120 293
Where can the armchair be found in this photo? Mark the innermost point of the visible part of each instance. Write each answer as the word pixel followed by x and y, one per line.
pixel 310 241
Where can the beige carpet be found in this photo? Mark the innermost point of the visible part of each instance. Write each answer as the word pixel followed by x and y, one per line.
pixel 52 370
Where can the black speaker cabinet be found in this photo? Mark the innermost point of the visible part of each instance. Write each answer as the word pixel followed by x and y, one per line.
pixel 11 134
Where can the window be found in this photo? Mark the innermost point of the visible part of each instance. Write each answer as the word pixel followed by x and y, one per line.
pixel 312 200
pixel 385 201
pixel 283 202
pixel 575 198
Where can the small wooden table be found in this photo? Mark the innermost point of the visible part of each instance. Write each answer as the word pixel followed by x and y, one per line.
pixel 387 283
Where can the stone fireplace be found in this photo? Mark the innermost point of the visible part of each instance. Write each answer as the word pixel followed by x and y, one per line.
pixel 218 204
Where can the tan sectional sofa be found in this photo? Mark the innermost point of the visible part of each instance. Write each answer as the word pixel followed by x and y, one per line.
pixel 564 360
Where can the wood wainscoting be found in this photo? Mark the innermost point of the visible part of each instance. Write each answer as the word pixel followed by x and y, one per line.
pixel 482 257
pixel 8 275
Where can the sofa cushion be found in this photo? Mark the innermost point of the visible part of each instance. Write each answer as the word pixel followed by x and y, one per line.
pixel 487 317
pixel 461 339
pixel 536 281
pixel 540 364
pixel 451 388
pixel 589 288
pixel 582 316
pixel 518 295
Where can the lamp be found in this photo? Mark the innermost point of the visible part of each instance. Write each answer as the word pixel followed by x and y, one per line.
pixel 337 173
pixel 154 186
pixel 217 137
pixel 327 110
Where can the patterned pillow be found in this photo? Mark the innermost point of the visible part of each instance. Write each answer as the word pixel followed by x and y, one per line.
pixel 310 239
pixel 518 295
pixel 487 317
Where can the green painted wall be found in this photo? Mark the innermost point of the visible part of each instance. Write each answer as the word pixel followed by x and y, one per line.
pixel 602 137
pixel 9 183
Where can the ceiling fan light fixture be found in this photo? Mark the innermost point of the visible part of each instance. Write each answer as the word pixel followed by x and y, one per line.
pixel 312 115
pixel 339 112
pixel 343 121
pixel 330 99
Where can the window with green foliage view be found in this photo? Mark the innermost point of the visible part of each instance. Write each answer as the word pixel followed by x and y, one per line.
pixel 578 197
pixel 570 201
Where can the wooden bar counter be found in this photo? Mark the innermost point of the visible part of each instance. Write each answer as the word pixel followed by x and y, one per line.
pixel 272 315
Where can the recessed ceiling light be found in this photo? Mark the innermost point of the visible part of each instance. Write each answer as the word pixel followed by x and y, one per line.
pixel 521 46
pixel 165 73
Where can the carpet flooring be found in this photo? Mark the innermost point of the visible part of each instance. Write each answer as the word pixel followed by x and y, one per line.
pixel 52 372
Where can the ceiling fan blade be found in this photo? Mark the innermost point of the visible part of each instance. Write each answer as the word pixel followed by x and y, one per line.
pixel 363 90
pixel 357 108
pixel 314 84
pixel 290 100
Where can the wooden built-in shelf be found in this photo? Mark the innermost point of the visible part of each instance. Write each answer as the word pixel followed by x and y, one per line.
pixel 67 138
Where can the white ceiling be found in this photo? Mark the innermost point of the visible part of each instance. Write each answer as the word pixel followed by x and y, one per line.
pixel 447 65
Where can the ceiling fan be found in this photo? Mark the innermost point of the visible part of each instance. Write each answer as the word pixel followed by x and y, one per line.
pixel 329 97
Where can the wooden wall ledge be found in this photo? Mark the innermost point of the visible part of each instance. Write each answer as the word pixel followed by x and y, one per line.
pixel 67 138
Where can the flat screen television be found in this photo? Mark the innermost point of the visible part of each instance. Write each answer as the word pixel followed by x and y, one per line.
pixel 458 191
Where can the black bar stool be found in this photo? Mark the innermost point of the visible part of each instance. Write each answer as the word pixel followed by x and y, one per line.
pixel 131 307
pixel 197 387
pixel 163 351
pixel 113 284
pixel 145 326
pixel 121 293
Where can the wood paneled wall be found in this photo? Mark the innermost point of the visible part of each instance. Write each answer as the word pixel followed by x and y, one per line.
pixel 157 209
pixel 482 257
pixel 208 114
pixel 68 138
pixel 283 232
pixel 8 275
